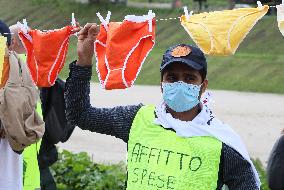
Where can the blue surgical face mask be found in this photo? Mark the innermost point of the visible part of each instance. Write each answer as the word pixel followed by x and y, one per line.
pixel 180 96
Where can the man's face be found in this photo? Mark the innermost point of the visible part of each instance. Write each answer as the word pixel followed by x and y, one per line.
pixel 181 72
pixel 17 45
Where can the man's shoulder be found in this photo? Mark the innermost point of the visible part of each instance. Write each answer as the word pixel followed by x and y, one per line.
pixel 230 152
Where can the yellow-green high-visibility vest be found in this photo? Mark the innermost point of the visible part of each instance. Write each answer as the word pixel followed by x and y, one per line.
pixel 158 159
pixel 31 170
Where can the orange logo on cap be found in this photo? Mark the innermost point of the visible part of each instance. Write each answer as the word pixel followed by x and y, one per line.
pixel 181 51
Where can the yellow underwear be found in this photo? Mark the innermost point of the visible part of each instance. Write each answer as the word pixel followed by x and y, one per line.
pixel 2 53
pixel 280 18
pixel 221 32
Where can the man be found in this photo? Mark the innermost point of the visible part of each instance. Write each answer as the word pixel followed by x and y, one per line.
pixel 11 163
pixel 275 165
pixel 16 44
pixel 29 164
pixel 178 144
pixel 31 170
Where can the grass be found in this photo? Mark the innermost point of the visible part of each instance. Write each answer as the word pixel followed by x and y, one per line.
pixel 191 4
pixel 257 66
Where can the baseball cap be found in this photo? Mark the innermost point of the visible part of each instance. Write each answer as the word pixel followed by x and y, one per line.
pixel 187 54
pixel 5 31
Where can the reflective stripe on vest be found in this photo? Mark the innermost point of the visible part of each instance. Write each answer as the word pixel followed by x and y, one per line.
pixel 31 169
pixel 159 159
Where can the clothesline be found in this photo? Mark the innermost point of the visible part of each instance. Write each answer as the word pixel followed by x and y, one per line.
pixel 234 25
pixel 175 18
pixel 161 19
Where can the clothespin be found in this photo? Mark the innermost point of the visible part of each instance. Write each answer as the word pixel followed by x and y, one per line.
pixel 108 16
pixel 186 12
pixel 73 21
pixel 259 4
pixel 24 28
pixel 187 16
pixel 101 19
pixel 25 23
pixel 151 15
pixel 104 21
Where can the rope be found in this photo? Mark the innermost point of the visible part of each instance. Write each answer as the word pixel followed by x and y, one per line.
pixel 166 19
pixel 171 18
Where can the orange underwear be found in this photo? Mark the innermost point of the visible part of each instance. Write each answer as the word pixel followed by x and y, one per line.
pixel 121 49
pixel 46 53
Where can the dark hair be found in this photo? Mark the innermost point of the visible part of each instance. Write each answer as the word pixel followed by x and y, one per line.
pixel 5 31
pixel 203 74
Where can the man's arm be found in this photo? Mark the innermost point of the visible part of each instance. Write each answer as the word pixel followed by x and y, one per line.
pixel 237 172
pixel 275 166
pixel 111 121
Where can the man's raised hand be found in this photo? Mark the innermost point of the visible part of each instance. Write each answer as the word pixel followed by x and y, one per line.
pixel 85 45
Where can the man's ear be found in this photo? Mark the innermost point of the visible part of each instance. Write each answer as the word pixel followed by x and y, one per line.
pixel 204 86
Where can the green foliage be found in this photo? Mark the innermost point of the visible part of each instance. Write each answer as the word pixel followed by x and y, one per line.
pixel 77 172
pixel 262 174
pixel 52 1
pixel 190 3
pixel 24 170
